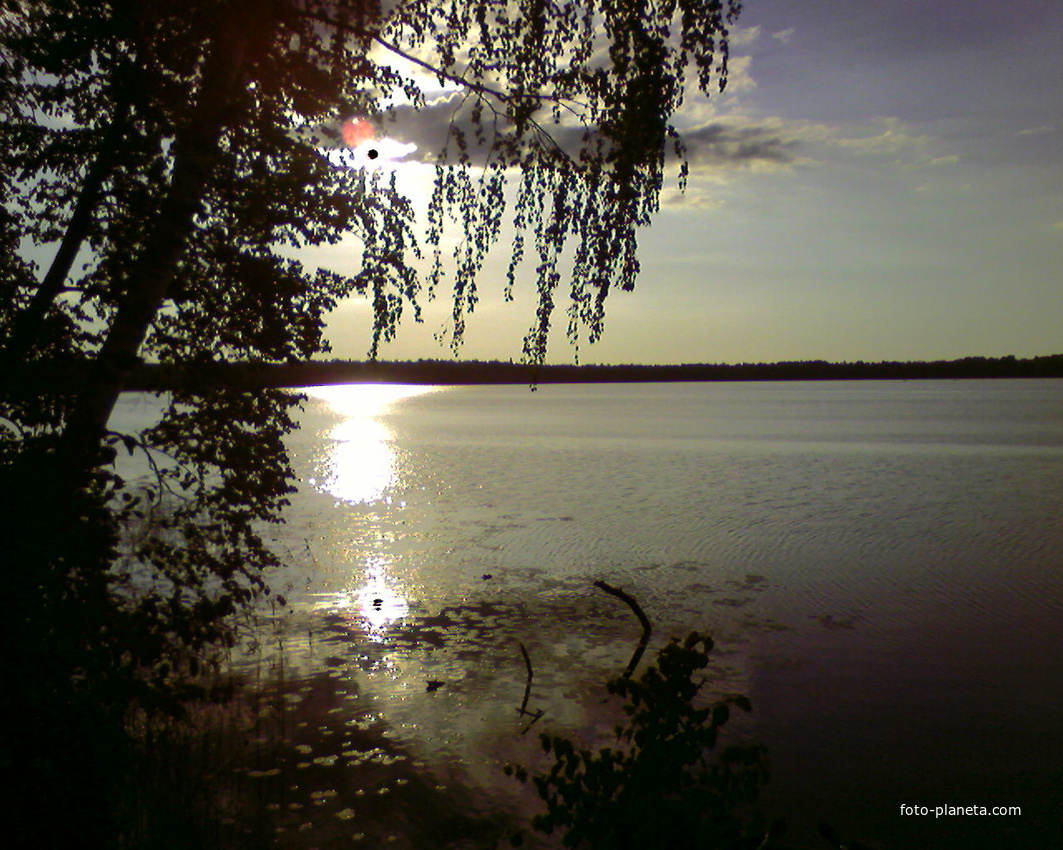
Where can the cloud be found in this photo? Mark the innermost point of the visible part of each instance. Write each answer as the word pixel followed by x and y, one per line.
pixel 722 144
pixel 1036 131
pixel 744 36
pixel 740 140
pixel 739 78
pixel 784 35
pixel 712 144
pixel 694 198
pixel 888 139
pixel 719 147
pixel 884 137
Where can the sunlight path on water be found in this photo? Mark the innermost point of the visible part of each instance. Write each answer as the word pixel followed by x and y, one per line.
pixel 377 604
pixel 361 462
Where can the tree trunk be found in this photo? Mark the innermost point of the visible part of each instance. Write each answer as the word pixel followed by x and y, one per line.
pixel 26 326
pixel 144 290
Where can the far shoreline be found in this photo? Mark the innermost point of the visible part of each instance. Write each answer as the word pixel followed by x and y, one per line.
pixel 442 372
pixel 248 376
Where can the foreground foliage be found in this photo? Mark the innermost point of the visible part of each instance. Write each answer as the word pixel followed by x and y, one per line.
pixel 658 787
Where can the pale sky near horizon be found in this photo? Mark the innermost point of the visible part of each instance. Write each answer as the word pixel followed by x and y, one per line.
pixel 881 181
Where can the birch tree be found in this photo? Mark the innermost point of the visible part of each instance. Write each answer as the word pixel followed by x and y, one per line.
pixel 156 175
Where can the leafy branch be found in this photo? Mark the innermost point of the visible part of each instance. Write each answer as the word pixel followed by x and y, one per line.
pixel 657 787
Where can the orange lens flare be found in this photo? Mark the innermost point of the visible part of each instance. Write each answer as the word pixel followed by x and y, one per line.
pixel 355 131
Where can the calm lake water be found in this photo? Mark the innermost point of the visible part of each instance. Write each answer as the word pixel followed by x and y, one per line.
pixel 879 561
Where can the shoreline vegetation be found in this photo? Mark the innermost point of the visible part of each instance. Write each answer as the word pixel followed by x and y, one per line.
pixel 288 758
pixel 258 375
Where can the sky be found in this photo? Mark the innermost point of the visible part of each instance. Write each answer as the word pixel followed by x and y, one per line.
pixel 881 180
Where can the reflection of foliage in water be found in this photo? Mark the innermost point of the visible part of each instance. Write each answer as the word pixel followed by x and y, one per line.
pixel 656 788
pixel 291 763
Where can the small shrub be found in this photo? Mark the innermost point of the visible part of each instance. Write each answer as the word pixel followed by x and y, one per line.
pixel 658 787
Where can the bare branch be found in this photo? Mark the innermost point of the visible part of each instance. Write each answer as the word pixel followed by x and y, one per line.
pixel 527 689
pixel 523 710
pixel 647 629
pixel 480 88
pixel 454 78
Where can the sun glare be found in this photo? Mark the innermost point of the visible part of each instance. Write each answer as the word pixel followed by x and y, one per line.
pixel 375 155
pixel 360 465
pixel 374 606
pixel 377 602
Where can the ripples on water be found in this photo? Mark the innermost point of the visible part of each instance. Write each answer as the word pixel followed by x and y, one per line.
pixel 880 559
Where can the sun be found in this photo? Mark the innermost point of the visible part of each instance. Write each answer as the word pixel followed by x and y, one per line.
pixel 355 144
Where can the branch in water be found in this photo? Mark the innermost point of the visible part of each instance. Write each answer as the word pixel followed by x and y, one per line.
pixel 647 629
pixel 523 710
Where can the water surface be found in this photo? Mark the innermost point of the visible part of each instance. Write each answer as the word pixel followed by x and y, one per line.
pixel 880 562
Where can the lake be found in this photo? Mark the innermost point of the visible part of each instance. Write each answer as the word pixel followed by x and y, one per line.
pixel 879 561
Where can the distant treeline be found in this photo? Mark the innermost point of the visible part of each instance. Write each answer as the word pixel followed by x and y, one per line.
pixel 60 376
pixel 259 375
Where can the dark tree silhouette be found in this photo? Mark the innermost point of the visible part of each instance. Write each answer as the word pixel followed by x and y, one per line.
pixel 152 146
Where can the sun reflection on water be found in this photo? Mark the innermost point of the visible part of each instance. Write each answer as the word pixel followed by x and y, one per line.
pixel 360 466
pixel 374 606
pixel 378 602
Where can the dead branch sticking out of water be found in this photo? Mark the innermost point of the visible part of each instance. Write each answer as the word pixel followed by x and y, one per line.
pixel 523 710
pixel 647 629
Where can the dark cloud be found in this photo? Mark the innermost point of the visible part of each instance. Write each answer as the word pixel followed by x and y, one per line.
pixel 718 144
pixel 724 144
